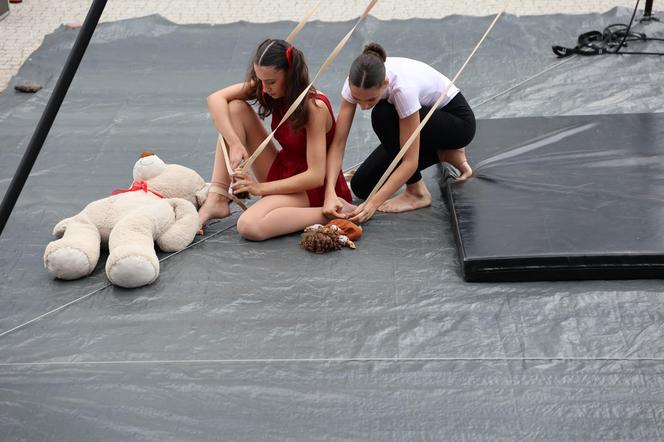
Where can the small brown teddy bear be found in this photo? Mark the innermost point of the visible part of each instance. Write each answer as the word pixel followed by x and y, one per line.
pixel 337 233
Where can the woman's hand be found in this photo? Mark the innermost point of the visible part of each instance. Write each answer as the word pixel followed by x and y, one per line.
pixel 243 181
pixel 237 153
pixel 336 207
pixel 332 208
pixel 362 213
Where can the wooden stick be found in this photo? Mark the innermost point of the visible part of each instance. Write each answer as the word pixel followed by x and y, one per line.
pixel 434 108
pixel 304 93
pixel 302 22
pixel 221 143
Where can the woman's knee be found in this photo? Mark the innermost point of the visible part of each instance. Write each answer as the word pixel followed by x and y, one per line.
pixel 383 113
pixel 249 228
pixel 463 135
pixel 471 130
pixel 359 185
pixel 385 124
pixel 383 109
pixel 239 107
pixel 467 127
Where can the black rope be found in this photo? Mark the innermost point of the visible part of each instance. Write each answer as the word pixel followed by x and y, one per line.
pixel 51 111
pixel 610 41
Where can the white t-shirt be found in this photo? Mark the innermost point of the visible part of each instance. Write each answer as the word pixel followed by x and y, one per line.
pixel 412 84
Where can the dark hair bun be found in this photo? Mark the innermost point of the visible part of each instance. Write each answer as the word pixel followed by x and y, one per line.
pixel 375 49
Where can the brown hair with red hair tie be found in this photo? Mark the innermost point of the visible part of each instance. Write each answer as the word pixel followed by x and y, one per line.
pixel 289 54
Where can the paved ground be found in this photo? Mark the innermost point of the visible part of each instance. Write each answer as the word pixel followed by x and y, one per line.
pixel 28 22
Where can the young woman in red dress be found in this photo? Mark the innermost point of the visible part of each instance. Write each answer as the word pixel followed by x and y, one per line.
pixel 291 180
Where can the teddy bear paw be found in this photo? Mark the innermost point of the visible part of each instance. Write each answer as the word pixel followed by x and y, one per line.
pixel 68 263
pixel 132 271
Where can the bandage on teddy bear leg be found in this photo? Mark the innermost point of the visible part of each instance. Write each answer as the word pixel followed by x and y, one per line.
pixel 76 253
pixel 132 261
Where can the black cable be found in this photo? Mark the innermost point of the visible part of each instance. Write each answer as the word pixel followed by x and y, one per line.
pixel 610 41
pixel 51 111
pixel 628 27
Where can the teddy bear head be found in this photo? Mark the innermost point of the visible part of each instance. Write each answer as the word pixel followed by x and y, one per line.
pixel 171 180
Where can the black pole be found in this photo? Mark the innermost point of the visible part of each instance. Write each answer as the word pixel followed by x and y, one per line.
pixel 647 12
pixel 51 111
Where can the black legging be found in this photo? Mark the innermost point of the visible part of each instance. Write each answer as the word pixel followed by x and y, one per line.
pixel 451 127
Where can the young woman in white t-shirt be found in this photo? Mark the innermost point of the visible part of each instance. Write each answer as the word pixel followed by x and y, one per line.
pixel 400 92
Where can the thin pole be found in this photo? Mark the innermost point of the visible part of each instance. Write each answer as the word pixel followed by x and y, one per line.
pixel 647 13
pixel 51 111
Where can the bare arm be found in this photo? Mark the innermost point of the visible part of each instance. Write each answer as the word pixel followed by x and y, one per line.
pixel 335 154
pixel 315 174
pixel 332 207
pixel 220 114
pixel 408 164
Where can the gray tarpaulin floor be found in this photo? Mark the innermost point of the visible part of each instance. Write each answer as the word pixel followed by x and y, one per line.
pixel 262 341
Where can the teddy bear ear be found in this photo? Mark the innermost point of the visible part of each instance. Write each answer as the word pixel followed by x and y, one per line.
pixel 146 153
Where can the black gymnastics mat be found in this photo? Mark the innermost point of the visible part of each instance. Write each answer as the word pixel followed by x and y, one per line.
pixel 575 197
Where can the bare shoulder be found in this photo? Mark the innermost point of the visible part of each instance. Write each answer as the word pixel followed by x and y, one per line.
pixel 317 107
pixel 316 103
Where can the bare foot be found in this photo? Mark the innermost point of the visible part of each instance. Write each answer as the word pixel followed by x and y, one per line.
pixel 346 207
pixel 214 207
pixel 416 196
pixel 457 158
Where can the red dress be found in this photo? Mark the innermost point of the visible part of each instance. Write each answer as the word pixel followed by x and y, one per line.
pixel 292 158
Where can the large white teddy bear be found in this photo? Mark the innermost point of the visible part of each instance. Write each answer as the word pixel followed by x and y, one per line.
pixel 161 206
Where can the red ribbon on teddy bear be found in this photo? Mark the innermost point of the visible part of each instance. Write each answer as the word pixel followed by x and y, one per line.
pixel 136 187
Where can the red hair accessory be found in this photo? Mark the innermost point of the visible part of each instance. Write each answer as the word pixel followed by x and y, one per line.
pixel 289 54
